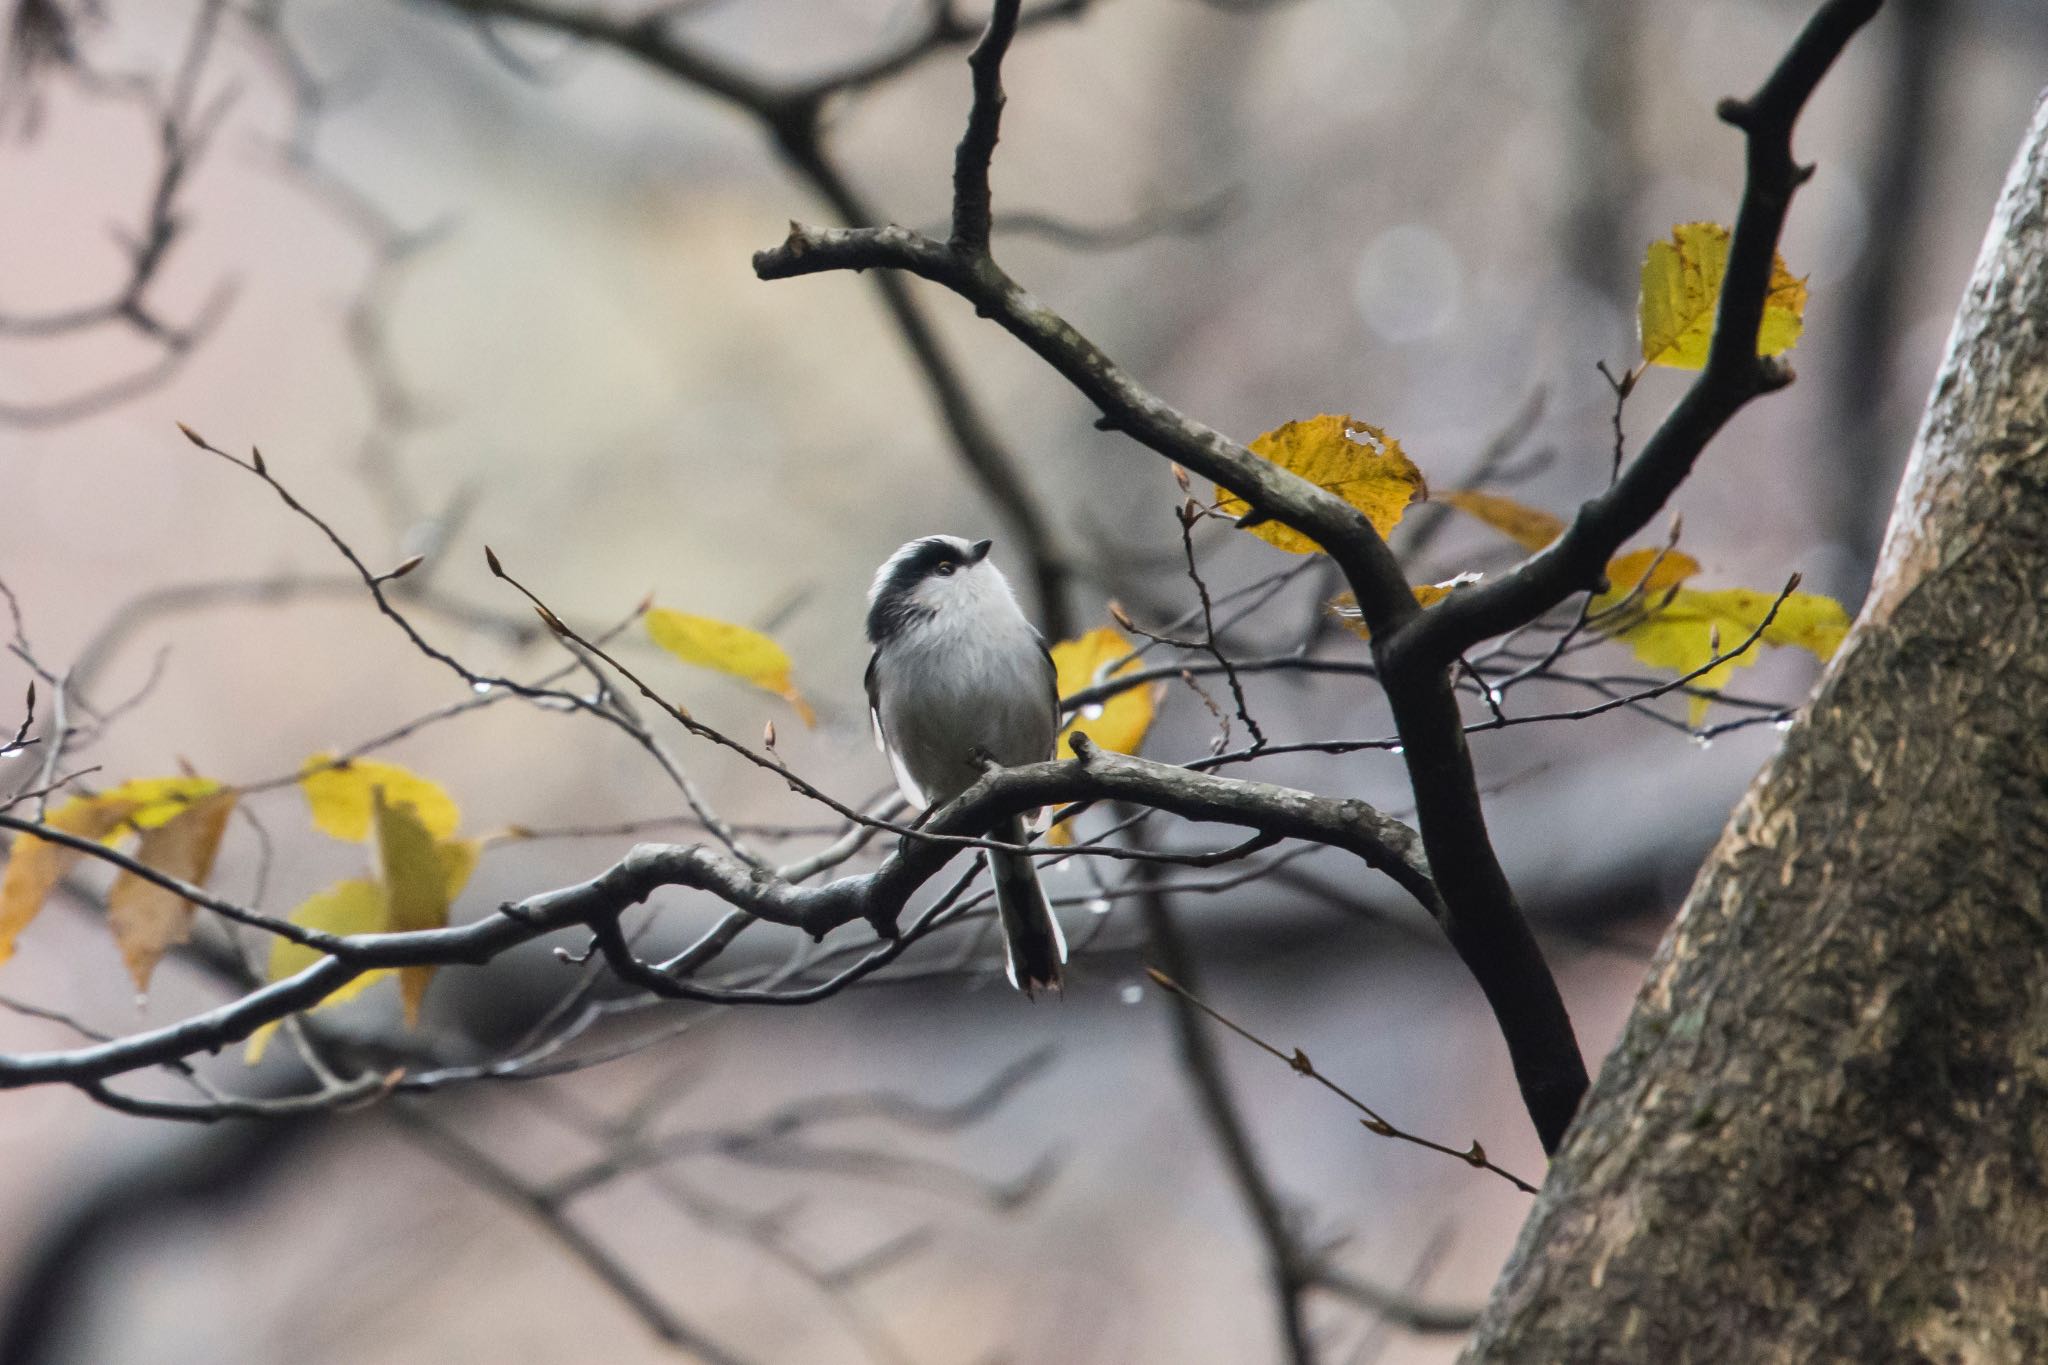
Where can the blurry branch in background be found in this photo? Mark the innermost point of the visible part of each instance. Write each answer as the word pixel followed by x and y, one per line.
pixel 44 47
pixel 782 1140
pixel 42 44
pixel 1502 462
pixel 474 1165
pixel 41 39
pixel 1606 167
pixel 1187 219
pixel 795 117
pixel 1869 435
pixel 1286 1267
pixel 396 412
pixel 61 1275
pixel 160 606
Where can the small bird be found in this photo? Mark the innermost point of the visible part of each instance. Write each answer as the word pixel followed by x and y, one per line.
pixel 960 679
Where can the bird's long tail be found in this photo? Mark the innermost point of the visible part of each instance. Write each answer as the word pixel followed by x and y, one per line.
pixel 1033 947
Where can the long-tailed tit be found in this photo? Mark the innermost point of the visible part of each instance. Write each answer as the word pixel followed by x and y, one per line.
pixel 960 679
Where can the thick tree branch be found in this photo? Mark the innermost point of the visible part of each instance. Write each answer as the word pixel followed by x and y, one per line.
pixel 877 897
pixel 1273 492
pixel 972 213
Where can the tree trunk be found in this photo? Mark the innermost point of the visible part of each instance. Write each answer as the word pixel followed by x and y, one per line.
pixel 1824 1133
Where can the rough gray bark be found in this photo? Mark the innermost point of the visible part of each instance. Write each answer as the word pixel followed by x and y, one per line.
pixel 1824 1133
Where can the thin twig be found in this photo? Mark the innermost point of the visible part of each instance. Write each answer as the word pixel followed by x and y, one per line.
pixel 1373 1121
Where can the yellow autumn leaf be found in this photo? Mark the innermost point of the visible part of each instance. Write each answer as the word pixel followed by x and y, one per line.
pixel 1429 594
pixel 1682 289
pixel 1640 578
pixel 1651 569
pixel 1529 527
pixel 1679 635
pixel 1354 460
pixel 1118 723
pixel 1344 606
pixel 350 907
pixel 158 800
pixel 147 919
pixel 458 861
pixel 359 906
pixel 733 650
pixel 1666 625
pixel 35 866
pixel 340 794
pixel 415 878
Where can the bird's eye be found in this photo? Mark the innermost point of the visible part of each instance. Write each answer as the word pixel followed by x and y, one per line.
pixel 945 570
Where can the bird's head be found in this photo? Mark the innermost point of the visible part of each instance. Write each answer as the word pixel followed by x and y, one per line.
pixel 931 578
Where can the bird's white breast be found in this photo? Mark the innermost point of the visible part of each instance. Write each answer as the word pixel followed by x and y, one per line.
pixel 962 684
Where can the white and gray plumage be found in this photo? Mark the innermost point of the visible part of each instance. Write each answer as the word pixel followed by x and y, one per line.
pixel 959 679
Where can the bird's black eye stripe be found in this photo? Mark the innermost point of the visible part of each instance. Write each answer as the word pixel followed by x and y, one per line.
pixel 934 554
pixel 895 604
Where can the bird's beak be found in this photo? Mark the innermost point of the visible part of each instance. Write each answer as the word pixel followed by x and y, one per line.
pixel 980 550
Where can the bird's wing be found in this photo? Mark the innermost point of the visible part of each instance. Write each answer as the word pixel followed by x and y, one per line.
pixel 1052 686
pixel 905 783
pixel 1037 820
pixel 875 704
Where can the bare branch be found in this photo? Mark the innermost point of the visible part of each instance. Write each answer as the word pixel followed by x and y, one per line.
pixel 21 738
pixel 1374 1122
pixel 971 211
pixel 877 897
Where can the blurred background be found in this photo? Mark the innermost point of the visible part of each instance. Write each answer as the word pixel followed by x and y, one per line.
pixel 468 282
